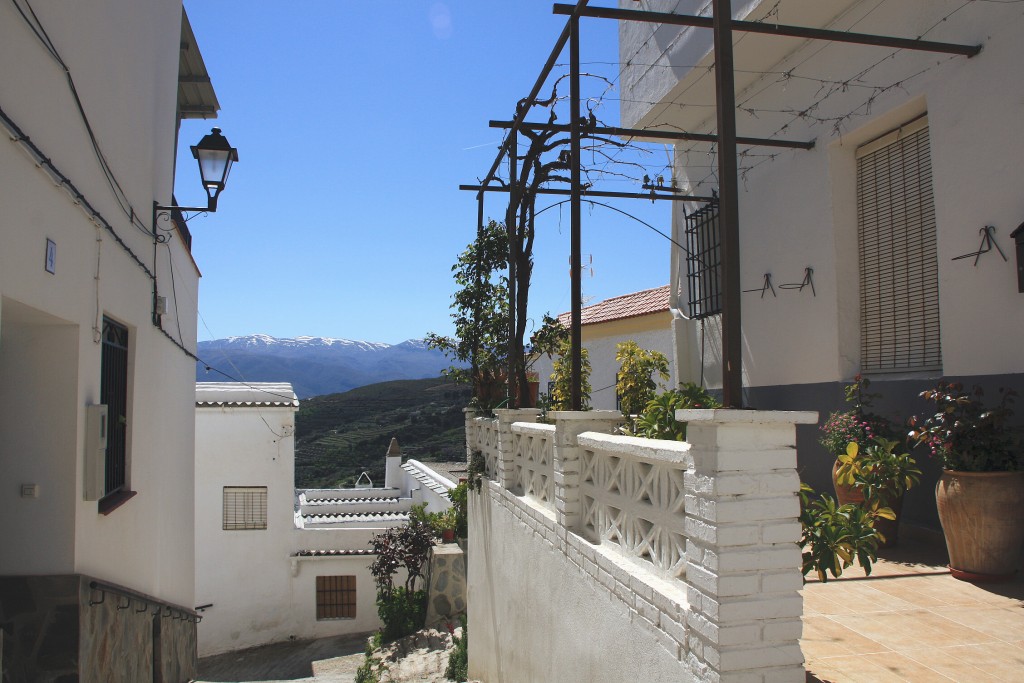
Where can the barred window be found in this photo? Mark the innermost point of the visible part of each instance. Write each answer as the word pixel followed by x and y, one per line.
pixel 899 286
pixel 335 597
pixel 245 507
pixel 114 394
pixel 704 261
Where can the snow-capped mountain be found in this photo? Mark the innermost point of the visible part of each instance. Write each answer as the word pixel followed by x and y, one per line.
pixel 316 365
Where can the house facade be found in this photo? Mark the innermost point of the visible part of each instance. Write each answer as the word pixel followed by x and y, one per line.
pixel 276 563
pixel 96 380
pixel 885 249
pixel 643 317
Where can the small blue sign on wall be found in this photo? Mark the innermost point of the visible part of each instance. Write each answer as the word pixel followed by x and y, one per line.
pixel 51 256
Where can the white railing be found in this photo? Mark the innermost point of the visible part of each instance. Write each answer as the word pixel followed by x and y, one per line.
pixel 632 495
pixel 482 436
pixel 533 467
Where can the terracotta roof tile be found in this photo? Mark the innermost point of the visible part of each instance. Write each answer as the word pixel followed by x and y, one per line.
pixel 626 306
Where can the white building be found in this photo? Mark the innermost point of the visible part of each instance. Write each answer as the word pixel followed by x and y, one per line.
pixel 274 562
pixel 643 317
pixel 915 153
pixel 96 510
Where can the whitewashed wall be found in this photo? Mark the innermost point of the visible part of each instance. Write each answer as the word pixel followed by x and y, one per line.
pixel 260 592
pixel 799 210
pixel 124 59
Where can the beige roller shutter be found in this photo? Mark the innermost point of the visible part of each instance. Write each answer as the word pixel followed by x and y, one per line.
pixel 899 290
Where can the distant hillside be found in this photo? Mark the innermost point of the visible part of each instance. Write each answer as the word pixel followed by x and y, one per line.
pixel 317 365
pixel 341 435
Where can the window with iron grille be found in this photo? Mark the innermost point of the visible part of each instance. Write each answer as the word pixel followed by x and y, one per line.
pixel 335 597
pixel 245 507
pixel 704 261
pixel 899 288
pixel 114 394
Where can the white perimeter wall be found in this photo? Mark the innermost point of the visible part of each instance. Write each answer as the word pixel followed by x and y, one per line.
pixel 124 59
pixel 534 615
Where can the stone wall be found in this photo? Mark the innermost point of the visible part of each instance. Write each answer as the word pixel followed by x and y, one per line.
pixel 59 629
pixel 446 584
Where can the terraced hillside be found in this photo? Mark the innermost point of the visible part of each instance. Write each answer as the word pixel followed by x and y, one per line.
pixel 339 436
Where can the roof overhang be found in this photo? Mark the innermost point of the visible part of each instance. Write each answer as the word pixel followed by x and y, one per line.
pixel 196 98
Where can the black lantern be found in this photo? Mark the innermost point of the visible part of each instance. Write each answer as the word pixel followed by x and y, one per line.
pixel 215 156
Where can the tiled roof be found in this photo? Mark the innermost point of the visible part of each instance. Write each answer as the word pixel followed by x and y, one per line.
pixel 626 306
pixel 353 501
pixel 245 394
pixel 328 553
pixel 357 517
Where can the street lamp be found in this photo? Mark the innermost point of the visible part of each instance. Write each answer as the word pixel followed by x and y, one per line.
pixel 215 156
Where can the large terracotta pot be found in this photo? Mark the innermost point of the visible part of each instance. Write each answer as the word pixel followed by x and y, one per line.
pixel 890 528
pixel 845 494
pixel 980 514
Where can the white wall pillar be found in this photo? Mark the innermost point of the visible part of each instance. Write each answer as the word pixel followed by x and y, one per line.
pixel 742 557
pixel 568 426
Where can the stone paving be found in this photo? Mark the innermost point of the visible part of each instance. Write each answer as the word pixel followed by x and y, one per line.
pixel 912 621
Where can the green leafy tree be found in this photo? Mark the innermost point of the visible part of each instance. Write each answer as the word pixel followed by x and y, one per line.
pixel 480 311
pixel 635 383
pixel 561 377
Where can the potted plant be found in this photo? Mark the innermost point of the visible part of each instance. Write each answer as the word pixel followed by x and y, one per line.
pixel 981 491
pixel 855 425
pixel 834 536
pixel 881 477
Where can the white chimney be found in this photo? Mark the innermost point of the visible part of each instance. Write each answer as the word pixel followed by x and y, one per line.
pixel 393 468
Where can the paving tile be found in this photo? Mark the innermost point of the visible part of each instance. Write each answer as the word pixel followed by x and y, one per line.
pixel 961 663
pixel 912 629
pixel 824 638
pixel 1006 624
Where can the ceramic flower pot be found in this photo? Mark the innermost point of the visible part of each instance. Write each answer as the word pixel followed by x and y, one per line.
pixel 980 516
pixel 845 494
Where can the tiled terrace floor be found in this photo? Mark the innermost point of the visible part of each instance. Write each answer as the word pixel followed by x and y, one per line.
pixel 912 621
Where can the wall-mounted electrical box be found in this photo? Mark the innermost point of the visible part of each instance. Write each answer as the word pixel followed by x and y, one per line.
pixel 1018 238
pixel 95 451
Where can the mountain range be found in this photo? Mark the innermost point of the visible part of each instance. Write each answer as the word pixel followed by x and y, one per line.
pixel 316 365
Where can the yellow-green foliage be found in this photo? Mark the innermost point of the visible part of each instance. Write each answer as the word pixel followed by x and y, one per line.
pixel 635 385
pixel 561 377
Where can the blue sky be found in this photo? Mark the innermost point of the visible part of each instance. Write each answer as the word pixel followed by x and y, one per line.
pixel 355 125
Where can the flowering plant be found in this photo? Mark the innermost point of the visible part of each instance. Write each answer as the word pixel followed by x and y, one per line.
pixel 856 425
pixel 964 434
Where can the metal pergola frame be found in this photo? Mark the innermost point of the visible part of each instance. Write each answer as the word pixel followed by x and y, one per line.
pixel 723 26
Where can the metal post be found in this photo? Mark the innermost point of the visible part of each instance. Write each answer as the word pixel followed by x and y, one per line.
pixel 478 276
pixel 513 259
pixel 728 189
pixel 576 333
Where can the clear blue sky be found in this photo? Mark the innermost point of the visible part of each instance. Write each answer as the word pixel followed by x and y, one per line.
pixel 355 124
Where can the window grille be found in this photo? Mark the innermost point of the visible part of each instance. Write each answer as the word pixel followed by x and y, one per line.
pixel 245 507
pixel 899 289
pixel 114 394
pixel 335 597
pixel 704 261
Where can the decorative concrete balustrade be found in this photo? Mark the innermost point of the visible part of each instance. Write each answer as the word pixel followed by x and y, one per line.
pixel 659 560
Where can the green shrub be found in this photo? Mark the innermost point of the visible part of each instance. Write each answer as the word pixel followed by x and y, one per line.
pixel 658 419
pixel 458 660
pixel 403 612
pixel 459 497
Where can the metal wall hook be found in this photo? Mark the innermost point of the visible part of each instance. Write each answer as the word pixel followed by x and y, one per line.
pixel 987 243
pixel 807 281
pixel 766 286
